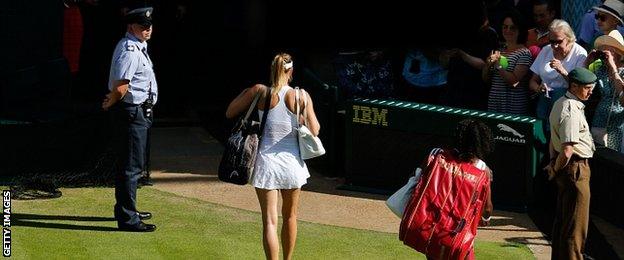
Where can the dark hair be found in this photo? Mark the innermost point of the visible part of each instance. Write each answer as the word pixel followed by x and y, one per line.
pixel 550 6
pixel 520 24
pixel 473 139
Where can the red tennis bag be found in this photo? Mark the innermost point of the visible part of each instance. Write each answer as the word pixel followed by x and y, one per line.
pixel 442 216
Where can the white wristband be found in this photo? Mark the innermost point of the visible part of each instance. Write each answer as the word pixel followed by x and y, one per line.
pixel 486 219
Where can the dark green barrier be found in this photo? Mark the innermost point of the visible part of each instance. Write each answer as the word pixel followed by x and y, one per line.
pixel 607 178
pixel 387 140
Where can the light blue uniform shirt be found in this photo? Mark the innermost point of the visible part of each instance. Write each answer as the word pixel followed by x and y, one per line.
pixel 131 62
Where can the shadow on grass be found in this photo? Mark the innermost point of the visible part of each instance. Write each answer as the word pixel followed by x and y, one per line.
pixel 20 217
pixel 25 220
pixel 185 179
pixel 508 221
pixel 60 226
pixel 528 241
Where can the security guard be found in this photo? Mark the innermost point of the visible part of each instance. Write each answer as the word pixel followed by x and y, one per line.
pixel 133 93
pixel 571 147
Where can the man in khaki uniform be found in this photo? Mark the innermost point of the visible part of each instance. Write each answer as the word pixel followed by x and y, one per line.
pixel 570 148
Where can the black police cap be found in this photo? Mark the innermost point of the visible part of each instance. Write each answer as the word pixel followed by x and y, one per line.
pixel 142 16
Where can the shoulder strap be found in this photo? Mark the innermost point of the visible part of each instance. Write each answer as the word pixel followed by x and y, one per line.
pixel 267 107
pixel 297 106
pixel 251 107
pixel 305 104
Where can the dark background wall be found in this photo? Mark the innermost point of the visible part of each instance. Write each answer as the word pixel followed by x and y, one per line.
pixel 29 35
pixel 205 59
pixel 237 37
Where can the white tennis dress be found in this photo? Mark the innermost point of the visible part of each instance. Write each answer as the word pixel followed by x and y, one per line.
pixel 278 163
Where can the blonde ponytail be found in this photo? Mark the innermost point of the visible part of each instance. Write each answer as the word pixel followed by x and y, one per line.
pixel 281 69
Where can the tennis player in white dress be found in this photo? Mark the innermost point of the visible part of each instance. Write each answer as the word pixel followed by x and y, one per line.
pixel 279 168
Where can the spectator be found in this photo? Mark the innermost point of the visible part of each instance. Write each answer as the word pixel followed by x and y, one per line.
pixel 608 16
pixel 72 35
pixel 424 75
pixel 506 70
pixel 498 9
pixel 552 65
pixel 600 21
pixel 366 74
pixel 535 50
pixel 608 120
pixel 543 15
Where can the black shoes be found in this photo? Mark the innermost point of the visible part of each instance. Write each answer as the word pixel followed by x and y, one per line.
pixel 144 215
pixel 146 181
pixel 141 227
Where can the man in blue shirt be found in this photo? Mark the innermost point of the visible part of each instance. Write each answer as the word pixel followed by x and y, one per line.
pixel 133 92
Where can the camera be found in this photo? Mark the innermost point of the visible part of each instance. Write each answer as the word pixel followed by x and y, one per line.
pixel 601 55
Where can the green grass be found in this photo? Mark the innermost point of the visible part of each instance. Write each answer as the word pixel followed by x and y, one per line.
pixel 79 225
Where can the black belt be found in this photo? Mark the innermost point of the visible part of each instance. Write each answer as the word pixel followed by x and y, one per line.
pixel 575 158
pixel 126 104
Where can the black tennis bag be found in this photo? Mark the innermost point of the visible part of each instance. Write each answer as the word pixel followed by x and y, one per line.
pixel 241 148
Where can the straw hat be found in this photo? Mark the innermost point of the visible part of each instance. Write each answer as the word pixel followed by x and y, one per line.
pixel 612 7
pixel 614 39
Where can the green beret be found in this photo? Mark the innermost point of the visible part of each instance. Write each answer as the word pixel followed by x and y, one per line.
pixel 582 76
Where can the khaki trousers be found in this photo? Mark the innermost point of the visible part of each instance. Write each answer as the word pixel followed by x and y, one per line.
pixel 572 213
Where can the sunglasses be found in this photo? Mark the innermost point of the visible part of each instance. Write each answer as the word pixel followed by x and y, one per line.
pixel 600 17
pixel 555 42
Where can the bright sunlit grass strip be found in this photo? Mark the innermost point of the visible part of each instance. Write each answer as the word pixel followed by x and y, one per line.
pixel 79 225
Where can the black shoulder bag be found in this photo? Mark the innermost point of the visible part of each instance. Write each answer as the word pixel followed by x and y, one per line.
pixel 241 148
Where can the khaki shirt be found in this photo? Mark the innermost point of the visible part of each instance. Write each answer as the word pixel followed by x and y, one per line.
pixel 569 125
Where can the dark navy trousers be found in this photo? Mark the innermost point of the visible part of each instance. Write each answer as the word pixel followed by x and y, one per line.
pixel 130 138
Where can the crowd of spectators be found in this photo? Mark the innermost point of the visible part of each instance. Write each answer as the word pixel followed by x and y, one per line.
pixel 516 62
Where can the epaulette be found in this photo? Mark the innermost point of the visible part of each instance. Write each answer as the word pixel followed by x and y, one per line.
pixel 130 46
